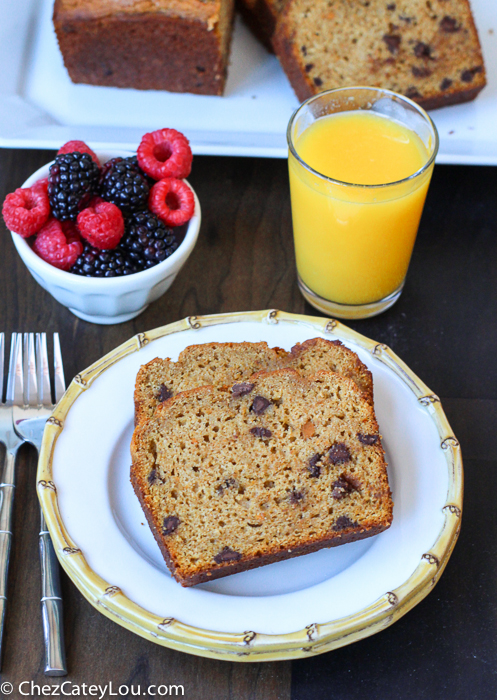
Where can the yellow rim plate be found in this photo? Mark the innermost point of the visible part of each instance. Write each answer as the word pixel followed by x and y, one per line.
pixel 249 645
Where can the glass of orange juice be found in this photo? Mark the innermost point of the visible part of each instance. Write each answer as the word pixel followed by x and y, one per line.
pixel 360 163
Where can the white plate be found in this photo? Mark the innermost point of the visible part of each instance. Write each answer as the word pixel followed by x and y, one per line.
pixel 41 108
pixel 104 523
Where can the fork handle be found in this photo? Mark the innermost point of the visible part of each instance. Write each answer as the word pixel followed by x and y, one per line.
pixel 51 606
pixel 7 488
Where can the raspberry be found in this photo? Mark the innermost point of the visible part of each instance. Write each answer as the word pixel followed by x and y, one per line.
pixel 78 147
pixel 26 210
pixel 58 244
pixel 123 183
pixel 71 182
pixel 165 153
pixel 172 201
pixel 101 224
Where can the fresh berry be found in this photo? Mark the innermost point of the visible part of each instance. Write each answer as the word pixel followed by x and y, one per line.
pixel 147 241
pixel 72 180
pixel 58 244
pixel 123 183
pixel 101 224
pixel 78 147
pixel 26 210
pixel 104 263
pixel 165 153
pixel 172 200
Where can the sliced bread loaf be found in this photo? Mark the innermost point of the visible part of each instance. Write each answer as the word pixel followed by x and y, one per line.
pixel 233 478
pixel 427 50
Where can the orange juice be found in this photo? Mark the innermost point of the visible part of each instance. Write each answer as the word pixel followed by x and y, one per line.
pixel 353 244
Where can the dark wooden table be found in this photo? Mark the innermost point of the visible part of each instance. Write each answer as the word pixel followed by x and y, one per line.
pixel 444 326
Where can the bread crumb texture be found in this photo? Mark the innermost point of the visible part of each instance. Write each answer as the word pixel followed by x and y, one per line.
pixel 231 478
pixel 427 50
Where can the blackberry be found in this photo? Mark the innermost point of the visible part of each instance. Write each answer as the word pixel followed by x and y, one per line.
pixel 123 183
pixel 147 240
pixel 73 178
pixel 94 262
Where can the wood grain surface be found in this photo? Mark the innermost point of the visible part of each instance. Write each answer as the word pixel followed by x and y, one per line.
pixel 443 327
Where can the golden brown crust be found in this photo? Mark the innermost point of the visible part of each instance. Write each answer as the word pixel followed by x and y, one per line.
pixel 231 480
pixel 183 52
pixel 429 52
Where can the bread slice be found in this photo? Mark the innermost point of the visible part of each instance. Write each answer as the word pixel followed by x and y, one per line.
pixel 427 50
pixel 233 478
pixel 221 364
pixel 180 46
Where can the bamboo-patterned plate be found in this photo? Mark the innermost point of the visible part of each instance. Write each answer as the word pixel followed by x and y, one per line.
pixel 290 609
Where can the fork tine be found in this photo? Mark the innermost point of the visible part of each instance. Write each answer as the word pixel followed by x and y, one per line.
pixel 31 384
pixel 15 378
pixel 2 360
pixel 60 384
pixel 44 392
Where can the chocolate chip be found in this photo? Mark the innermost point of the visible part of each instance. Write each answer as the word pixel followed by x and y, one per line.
pixel 296 496
pixel 304 50
pixel 392 41
pixel 314 468
pixel 259 405
pixel 368 439
pixel 341 488
pixel 242 389
pixel 391 6
pixel 226 555
pixel 412 93
pixel 339 453
pixel 261 432
pixel 405 19
pixel 152 477
pixel 468 75
pixel 201 69
pixel 170 524
pixel 445 84
pixel 227 484
pixel 420 72
pixel 309 67
pixel 343 522
pixel 449 25
pixel 164 393
pixel 422 50
pixel 318 82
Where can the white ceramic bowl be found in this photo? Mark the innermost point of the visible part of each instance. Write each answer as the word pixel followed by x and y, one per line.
pixel 114 299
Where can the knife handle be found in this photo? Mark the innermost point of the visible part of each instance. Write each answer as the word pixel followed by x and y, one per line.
pixel 7 489
pixel 51 606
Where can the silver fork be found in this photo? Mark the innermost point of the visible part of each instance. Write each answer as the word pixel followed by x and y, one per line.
pixel 32 406
pixel 12 442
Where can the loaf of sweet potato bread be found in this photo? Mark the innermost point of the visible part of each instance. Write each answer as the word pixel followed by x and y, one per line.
pixel 221 364
pixel 232 478
pixel 427 50
pixel 176 45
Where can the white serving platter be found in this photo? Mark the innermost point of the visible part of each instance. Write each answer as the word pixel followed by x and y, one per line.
pixel 41 108
pixel 308 604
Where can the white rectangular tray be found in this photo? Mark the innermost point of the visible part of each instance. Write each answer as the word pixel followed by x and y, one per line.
pixel 41 108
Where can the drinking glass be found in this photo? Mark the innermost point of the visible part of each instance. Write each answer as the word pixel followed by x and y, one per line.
pixel 353 242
